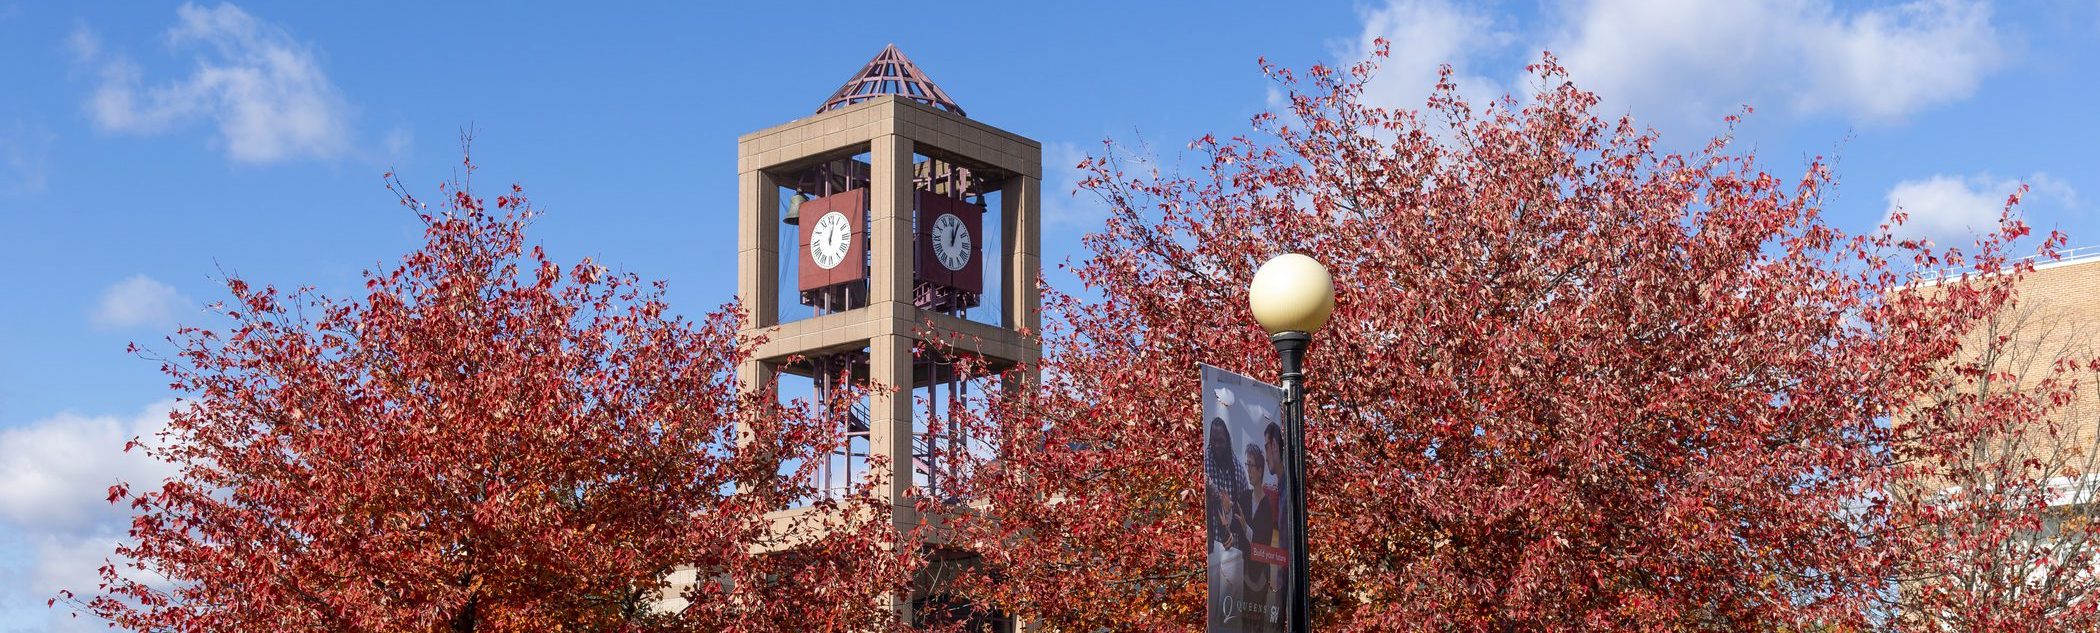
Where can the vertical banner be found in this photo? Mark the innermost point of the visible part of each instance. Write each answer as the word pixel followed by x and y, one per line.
pixel 1246 517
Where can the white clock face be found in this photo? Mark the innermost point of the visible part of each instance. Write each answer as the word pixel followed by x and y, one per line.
pixel 951 241
pixel 829 240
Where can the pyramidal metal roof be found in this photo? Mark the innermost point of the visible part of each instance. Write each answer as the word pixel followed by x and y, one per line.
pixel 890 73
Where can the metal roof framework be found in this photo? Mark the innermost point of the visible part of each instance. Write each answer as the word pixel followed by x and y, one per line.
pixel 891 73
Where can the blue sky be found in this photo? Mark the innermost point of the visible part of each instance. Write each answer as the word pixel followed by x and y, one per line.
pixel 146 147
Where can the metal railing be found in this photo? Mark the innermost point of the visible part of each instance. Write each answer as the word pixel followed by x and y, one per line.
pixel 2066 256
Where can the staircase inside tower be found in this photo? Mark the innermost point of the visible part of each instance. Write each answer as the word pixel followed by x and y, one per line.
pixel 940 396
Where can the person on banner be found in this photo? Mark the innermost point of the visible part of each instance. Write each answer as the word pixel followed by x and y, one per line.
pixel 1263 609
pixel 1226 484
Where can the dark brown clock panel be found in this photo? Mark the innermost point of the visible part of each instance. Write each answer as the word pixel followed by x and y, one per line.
pixel 950 242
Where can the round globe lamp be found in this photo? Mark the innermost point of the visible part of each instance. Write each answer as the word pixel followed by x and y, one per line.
pixel 1291 293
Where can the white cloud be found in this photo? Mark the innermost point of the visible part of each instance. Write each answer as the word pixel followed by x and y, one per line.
pixel 265 91
pixel 1685 64
pixel 1063 206
pixel 398 141
pixel 1425 35
pixel 58 469
pixel 25 152
pixel 84 45
pixel 1683 61
pixel 138 302
pixel 55 519
pixel 1952 210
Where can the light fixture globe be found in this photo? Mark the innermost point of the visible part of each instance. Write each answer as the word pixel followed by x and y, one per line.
pixel 1291 293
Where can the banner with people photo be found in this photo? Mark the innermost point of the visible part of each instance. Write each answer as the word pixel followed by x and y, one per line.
pixel 1246 516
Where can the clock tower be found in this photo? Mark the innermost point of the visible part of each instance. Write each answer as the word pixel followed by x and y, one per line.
pixel 887 220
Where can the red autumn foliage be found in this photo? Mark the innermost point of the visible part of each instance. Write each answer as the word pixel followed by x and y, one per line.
pixel 1573 382
pixel 486 440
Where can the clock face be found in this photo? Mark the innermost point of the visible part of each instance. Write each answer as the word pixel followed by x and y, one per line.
pixel 829 240
pixel 951 242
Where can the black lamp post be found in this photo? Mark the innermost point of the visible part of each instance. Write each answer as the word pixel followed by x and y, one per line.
pixel 1292 296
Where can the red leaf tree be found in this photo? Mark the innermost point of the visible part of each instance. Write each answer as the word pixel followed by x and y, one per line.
pixel 486 441
pixel 1573 382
